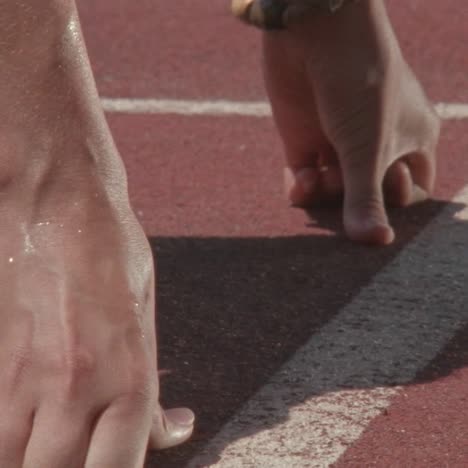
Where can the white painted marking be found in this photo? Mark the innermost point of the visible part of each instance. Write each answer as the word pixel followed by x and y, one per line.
pixel 452 111
pixel 321 401
pixel 224 107
pixel 184 107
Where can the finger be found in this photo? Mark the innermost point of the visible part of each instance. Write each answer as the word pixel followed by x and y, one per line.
pixel 171 427
pixel 330 178
pixel 301 186
pixel 120 438
pixel 331 182
pixel 365 218
pixel 398 184
pixel 422 168
pixel 399 188
pixel 58 439
pixel 291 95
pixel 15 429
pixel 312 186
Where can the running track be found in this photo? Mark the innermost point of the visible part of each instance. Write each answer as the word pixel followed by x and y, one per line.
pixel 294 347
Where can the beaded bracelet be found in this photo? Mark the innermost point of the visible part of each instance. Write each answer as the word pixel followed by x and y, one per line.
pixel 277 14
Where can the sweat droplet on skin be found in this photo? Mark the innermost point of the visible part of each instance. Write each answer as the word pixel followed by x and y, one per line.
pixel 140 319
pixel 28 245
pixel 11 260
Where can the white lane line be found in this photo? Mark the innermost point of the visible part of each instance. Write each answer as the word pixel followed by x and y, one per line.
pixel 452 111
pixel 321 401
pixel 225 107
pixel 185 107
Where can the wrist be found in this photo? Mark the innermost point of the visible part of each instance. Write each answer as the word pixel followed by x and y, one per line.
pixel 53 130
pixel 360 28
pixel 282 14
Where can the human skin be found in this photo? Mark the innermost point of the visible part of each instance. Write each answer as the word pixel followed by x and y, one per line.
pixel 77 342
pixel 354 120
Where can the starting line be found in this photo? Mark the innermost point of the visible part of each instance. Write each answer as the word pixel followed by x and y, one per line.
pixel 446 111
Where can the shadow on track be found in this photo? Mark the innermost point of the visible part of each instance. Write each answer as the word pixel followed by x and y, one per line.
pixel 232 311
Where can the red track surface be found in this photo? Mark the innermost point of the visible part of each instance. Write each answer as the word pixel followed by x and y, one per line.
pixel 208 191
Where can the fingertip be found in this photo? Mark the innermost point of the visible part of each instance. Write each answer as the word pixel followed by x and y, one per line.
pixel 300 186
pixel 173 428
pixel 367 222
pixel 370 232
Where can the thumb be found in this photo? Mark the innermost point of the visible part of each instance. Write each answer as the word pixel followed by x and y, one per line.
pixel 171 427
pixel 365 218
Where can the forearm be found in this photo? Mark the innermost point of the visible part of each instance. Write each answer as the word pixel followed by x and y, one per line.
pixel 53 130
pixel 45 75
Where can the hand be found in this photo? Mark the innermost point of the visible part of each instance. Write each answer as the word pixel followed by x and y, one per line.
pixel 77 341
pixel 353 118
pixel 78 370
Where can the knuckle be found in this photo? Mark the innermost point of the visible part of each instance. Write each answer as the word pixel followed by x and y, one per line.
pixel 140 389
pixel 19 361
pixel 20 358
pixel 79 363
pixel 75 370
pixel 136 400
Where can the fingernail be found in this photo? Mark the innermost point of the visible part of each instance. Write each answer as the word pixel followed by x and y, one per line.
pixel 181 416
